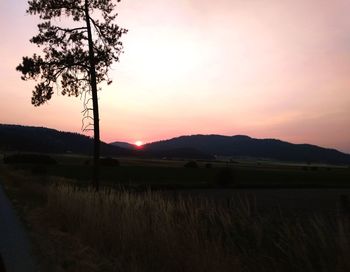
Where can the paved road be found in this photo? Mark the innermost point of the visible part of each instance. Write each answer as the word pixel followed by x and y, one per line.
pixel 14 242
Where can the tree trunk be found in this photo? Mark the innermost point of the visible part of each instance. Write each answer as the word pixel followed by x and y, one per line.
pixel 93 83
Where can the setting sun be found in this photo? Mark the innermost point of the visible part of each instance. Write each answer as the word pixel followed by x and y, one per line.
pixel 138 143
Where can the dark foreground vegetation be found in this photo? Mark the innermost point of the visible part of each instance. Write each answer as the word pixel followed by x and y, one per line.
pixel 33 159
pixel 77 229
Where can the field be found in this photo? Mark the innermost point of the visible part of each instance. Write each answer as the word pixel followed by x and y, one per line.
pixel 173 174
pixel 166 217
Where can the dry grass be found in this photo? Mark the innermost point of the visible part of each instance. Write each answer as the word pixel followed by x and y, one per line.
pixel 152 232
pixel 80 230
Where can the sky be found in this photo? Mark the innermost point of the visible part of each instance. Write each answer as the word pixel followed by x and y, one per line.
pixel 263 68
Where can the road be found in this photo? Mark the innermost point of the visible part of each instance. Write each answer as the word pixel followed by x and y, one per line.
pixel 14 242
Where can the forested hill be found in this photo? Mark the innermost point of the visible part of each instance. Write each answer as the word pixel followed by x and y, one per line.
pixel 246 147
pixel 40 139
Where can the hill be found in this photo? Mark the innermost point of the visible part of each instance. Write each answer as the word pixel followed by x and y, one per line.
pixel 46 140
pixel 124 145
pixel 180 153
pixel 241 146
pixel 188 152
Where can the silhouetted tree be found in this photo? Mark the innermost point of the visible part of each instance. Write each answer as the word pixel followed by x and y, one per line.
pixel 77 55
pixel 191 164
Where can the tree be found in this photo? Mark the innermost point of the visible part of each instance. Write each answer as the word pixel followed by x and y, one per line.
pixel 76 58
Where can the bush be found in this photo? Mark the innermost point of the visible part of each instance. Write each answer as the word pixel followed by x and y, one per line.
pixel 225 177
pixel 109 162
pixel 39 170
pixel 87 162
pixel 191 164
pixel 233 161
pixel 29 158
pixel 208 165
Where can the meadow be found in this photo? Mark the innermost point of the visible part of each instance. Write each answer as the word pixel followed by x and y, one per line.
pixel 169 174
pixel 191 224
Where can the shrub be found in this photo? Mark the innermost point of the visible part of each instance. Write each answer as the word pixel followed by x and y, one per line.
pixel 109 162
pixel 208 165
pixel 39 170
pixel 29 158
pixel 225 177
pixel 191 164
pixel 233 161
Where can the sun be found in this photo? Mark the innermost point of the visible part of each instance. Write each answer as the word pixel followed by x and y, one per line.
pixel 139 143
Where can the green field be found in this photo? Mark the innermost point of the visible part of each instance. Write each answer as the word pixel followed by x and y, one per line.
pixel 172 173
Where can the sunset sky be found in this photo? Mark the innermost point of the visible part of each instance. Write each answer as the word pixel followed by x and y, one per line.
pixel 264 68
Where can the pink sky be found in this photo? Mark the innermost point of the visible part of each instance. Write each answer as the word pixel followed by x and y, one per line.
pixel 268 69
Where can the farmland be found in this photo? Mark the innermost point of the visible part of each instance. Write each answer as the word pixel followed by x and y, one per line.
pixel 172 173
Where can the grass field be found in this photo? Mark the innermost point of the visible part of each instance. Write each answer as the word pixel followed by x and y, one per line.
pixel 172 173
pixel 76 229
pixel 253 224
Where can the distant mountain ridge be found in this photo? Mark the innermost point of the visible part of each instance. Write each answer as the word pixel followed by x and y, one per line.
pixel 242 146
pixel 188 152
pixel 46 140
pixel 124 145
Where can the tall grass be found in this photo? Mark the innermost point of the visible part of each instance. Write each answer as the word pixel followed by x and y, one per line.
pixel 153 231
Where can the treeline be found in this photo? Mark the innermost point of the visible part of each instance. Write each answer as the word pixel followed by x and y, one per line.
pixel 45 140
pixel 241 146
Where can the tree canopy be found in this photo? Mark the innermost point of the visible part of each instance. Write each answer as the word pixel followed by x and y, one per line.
pixel 65 62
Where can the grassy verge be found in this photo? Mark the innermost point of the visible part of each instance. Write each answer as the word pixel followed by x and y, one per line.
pixel 76 229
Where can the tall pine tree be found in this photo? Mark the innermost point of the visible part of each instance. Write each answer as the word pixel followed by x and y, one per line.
pixel 75 58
